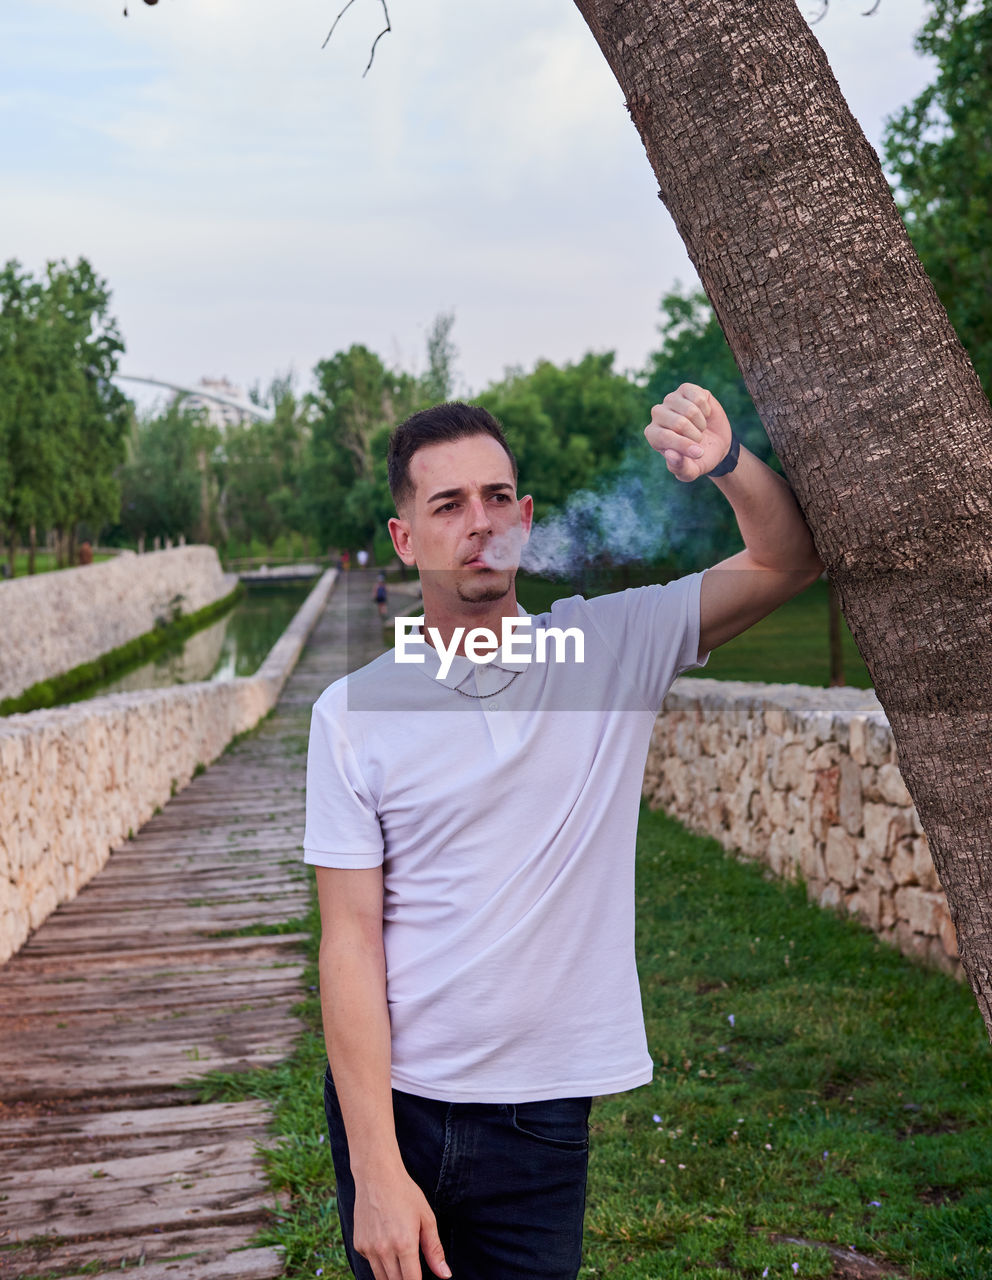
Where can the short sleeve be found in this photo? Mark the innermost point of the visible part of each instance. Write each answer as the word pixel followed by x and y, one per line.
pixel 653 632
pixel 342 827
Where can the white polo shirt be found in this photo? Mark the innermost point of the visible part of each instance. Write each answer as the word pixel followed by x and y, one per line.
pixel 505 826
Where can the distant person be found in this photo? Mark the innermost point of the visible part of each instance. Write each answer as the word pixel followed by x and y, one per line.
pixel 346 560
pixel 86 553
pixel 363 558
pixel 473 839
pixel 380 595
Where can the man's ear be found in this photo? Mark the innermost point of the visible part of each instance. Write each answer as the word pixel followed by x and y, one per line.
pixel 526 516
pixel 399 531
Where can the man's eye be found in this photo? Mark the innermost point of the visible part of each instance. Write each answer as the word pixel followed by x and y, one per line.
pixel 501 497
pixel 447 506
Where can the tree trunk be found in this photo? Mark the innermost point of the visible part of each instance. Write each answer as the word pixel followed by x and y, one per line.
pixel 866 393
pixel 32 546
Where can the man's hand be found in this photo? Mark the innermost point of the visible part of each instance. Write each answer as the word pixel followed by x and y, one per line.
pixel 393 1225
pixel 690 430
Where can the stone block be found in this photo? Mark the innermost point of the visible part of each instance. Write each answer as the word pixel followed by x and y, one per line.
pixel 824 756
pixel 892 788
pixel 948 935
pixel 922 909
pixel 789 769
pixel 840 858
pixel 811 862
pixel 776 808
pixel 924 871
pixel 856 739
pixel 831 895
pixel 909 942
pixel 902 865
pixel 774 719
pixel 824 801
pixel 781 854
pixel 879 747
pixel 887 914
pixel 866 904
pixel 869 784
pixel 884 825
pixel 849 798
pixel 940 959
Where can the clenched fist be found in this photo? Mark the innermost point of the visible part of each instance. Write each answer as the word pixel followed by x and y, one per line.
pixel 690 430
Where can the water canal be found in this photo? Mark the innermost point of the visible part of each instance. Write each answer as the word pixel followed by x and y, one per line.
pixel 233 645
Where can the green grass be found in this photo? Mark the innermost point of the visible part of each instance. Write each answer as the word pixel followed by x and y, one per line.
pixel 82 681
pixel 789 646
pixel 44 562
pixel 849 1075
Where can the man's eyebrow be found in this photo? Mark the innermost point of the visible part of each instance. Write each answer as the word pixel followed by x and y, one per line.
pixel 456 493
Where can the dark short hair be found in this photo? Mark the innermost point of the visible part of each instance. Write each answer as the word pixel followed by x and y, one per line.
pixel 442 423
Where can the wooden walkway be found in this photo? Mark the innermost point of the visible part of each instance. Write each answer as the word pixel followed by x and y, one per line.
pixel 140 984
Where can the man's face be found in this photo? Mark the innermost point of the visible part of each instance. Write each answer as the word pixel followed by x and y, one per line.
pixel 464 526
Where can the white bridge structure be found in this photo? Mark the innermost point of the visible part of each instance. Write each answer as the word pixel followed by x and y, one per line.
pixel 245 407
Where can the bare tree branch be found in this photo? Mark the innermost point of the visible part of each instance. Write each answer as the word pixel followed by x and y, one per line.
pixel 336 21
pixel 385 31
pixel 825 5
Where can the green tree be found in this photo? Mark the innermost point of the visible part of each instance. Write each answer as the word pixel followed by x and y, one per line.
pixel 437 384
pixel 261 468
pixel 358 400
pixel 162 480
pixel 694 349
pixel 939 150
pixel 64 423
pixel 566 423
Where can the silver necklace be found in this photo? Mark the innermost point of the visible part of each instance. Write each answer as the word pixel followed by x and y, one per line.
pixel 486 695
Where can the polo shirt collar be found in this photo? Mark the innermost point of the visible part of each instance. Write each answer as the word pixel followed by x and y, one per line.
pixel 461 668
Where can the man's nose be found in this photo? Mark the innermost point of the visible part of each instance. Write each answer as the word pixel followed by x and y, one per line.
pixel 478 516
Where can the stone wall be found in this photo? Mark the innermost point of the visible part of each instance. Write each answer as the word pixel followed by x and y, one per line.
pixel 805 780
pixel 75 781
pixel 52 622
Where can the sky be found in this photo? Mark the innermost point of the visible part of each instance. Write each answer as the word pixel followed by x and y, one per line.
pixel 255 204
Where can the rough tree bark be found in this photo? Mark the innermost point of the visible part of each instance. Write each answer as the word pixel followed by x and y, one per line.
pixel 866 393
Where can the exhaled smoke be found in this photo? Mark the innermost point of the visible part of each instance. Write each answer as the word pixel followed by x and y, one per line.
pixel 633 516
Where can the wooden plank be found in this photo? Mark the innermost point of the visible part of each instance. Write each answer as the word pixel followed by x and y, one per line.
pixel 49 1255
pixel 36 952
pixel 207 1183
pixel 197 988
pixel 38 1081
pixel 246 1264
pixel 40 1142
pixel 134 1122
pixel 193 914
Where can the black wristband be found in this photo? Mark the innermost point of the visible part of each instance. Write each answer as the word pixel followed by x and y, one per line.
pixel 730 458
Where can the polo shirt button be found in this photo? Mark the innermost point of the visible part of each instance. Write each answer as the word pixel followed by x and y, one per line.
pixel 494 706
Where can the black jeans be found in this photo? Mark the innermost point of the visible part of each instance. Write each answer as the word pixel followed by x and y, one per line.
pixel 506 1181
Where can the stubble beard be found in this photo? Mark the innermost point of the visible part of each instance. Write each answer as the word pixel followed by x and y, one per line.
pixel 484 592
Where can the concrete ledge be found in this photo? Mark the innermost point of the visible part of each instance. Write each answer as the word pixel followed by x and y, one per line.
pixel 53 622
pixel 74 781
pixel 806 781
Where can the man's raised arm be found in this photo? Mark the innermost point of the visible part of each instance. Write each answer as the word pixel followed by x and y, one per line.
pixel 691 431
pixel 393 1221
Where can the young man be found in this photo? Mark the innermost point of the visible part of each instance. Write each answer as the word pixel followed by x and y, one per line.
pixel 472 823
